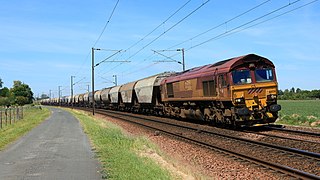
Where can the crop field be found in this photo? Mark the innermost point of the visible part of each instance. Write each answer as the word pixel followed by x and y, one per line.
pixel 300 112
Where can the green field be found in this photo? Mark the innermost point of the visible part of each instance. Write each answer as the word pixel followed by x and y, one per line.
pixel 299 112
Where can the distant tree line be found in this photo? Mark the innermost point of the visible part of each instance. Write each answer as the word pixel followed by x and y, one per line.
pixel 19 94
pixel 298 94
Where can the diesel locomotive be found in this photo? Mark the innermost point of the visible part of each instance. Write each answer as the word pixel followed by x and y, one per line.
pixel 234 92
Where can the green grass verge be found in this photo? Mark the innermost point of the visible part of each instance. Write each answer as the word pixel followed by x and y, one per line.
pixel 120 153
pixel 32 117
pixel 299 112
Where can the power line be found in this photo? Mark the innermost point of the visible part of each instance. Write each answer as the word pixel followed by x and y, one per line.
pixel 239 15
pixel 249 22
pixel 192 12
pixel 142 68
pixel 105 26
pixel 179 9
pixel 159 25
pixel 169 29
pixel 233 31
pixel 299 7
pixel 219 25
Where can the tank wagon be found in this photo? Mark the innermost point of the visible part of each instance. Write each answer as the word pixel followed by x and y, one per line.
pixel 237 91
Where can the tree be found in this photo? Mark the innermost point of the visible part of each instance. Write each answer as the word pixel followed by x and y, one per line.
pixel 44 96
pixel 280 92
pixel 5 101
pixel 292 90
pixel 315 94
pixel 4 92
pixel 1 83
pixel 20 100
pixel 298 90
pixel 22 93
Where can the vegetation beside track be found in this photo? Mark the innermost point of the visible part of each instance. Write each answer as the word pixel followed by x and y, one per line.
pixel 300 112
pixel 119 153
pixel 32 116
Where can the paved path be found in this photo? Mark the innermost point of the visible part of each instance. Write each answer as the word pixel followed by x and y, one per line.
pixel 56 149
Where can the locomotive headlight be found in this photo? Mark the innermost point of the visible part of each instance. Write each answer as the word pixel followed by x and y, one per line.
pixel 271 97
pixel 239 100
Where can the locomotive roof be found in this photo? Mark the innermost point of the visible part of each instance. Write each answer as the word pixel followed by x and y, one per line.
pixel 218 67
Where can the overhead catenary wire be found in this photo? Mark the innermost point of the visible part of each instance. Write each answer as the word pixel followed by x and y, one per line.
pixel 99 37
pixel 105 26
pixel 221 24
pixel 173 14
pixel 181 7
pixel 177 23
pixel 284 13
pixel 244 24
pixel 155 39
pixel 215 27
pixel 234 30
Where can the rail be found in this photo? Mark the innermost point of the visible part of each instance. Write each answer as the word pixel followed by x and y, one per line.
pixel 282 168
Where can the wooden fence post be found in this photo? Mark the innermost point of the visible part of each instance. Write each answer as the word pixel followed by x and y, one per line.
pixel 6 114
pixel 1 119
pixel 13 115
pixel 17 113
pixel 10 115
pixel 21 112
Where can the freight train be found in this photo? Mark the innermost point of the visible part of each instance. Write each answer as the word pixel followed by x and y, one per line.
pixel 240 91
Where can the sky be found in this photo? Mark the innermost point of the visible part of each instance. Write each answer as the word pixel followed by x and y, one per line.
pixel 43 43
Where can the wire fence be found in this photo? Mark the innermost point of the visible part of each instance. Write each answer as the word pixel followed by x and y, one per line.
pixel 10 115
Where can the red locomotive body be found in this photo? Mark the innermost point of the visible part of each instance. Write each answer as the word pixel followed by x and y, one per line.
pixel 237 91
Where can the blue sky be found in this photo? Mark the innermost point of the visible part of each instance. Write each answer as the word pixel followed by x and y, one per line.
pixel 44 43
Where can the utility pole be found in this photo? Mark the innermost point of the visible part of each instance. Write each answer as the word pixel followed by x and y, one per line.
pixel 95 65
pixel 59 93
pixel 115 80
pixel 92 71
pixel 50 94
pixel 183 64
pixel 72 90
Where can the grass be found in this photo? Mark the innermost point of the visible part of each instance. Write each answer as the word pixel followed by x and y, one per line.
pixel 120 153
pixel 299 112
pixel 32 117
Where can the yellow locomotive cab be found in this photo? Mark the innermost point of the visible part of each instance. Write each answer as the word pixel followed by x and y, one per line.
pixel 254 94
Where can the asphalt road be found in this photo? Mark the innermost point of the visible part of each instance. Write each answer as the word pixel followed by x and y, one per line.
pixel 56 149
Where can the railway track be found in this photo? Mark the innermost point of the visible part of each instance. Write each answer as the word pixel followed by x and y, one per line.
pixel 283 137
pixel 205 138
pixel 283 129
